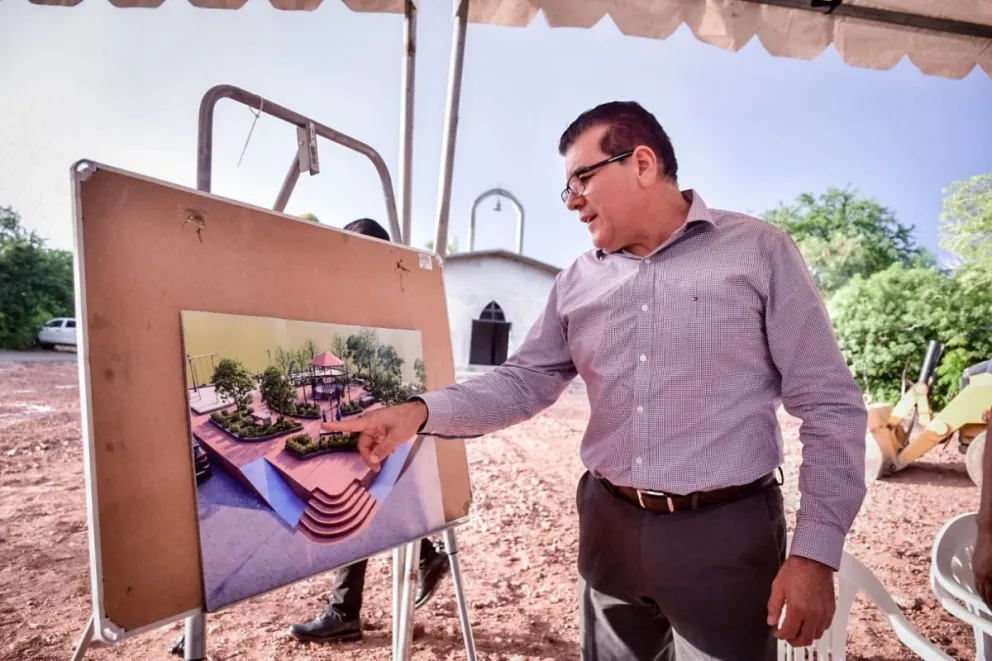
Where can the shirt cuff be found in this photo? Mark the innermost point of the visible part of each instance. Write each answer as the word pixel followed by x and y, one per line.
pixel 817 541
pixel 438 412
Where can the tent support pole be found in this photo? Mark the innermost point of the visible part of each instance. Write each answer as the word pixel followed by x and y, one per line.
pixel 406 117
pixel 451 126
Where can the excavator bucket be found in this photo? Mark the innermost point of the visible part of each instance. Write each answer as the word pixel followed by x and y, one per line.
pixel 973 458
pixel 881 443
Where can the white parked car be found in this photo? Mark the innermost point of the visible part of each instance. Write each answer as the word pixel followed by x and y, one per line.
pixel 61 330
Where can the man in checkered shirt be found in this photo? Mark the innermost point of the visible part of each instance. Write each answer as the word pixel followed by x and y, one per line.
pixel 688 326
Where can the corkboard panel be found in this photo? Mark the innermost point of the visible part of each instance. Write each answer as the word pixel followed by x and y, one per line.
pixel 146 250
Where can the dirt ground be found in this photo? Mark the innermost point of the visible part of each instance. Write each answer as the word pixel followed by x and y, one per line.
pixel 518 550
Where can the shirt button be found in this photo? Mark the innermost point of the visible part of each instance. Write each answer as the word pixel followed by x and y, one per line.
pixel 643 357
pixel 639 461
pixel 644 308
pixel 640 409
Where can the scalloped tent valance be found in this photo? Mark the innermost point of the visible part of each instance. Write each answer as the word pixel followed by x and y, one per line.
pixel 947 39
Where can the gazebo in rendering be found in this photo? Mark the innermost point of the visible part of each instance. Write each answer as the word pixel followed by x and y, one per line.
pixel 326 371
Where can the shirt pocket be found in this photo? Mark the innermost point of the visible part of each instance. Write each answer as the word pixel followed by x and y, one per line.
pixel 715 333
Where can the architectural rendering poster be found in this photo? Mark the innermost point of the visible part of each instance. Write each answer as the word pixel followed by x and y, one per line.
pixel 279 499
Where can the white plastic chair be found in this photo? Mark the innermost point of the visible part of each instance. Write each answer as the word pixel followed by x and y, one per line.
pixel 952 580
pixel 852 578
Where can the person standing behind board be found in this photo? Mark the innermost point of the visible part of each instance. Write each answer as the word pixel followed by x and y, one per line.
pixel 687 325
pixel 341 621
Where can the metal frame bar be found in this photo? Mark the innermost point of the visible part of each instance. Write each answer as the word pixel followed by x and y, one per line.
pixel 406 116
pixel 404 635
pixel 451 126
pixel 451 547
pixel 405 558
pixel 204 155
pixel 84 642
pixel 498 192
pixel 884 16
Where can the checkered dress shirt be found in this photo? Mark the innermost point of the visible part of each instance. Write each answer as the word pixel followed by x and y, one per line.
pixel 686 354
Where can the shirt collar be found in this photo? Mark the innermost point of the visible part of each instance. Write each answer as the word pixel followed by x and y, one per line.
pixel 698 213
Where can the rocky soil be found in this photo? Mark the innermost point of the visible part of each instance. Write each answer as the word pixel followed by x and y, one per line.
pixel 518 550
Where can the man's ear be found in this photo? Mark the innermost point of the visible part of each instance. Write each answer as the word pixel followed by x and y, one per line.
pixel 646 164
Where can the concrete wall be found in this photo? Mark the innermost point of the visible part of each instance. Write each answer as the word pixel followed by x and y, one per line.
pixel 521 290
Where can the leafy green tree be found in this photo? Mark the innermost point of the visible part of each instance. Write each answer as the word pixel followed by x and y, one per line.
pixel 421 371
pixel 283 359
pixel 389 360
pixel 276 390
pixel 232 380
pixel 887 296
pixel 386 388
pixel 363 349
pixel 966 220
pixel 883 324
pixel 842 235
pixel 339 347
pixel 36 283
pixel 969 339
pixel 306 354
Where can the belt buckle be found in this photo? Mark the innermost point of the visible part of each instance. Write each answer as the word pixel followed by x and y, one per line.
pixel 668 499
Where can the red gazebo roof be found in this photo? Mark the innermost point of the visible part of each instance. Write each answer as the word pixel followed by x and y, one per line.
pixel 326 359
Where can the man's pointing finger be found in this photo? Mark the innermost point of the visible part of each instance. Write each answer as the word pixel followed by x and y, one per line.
pixel 355 424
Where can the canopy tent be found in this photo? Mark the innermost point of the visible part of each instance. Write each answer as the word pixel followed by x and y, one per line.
pixel 326 359
pixel 946 39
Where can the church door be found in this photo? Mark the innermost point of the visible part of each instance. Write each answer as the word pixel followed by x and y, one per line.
pixel 490 337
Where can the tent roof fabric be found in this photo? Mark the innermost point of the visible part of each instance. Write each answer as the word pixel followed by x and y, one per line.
pixel 947 39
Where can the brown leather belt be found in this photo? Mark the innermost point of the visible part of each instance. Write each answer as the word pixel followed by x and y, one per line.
pixel 665 503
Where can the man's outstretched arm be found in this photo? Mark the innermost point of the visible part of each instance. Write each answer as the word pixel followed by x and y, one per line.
pixel 529 381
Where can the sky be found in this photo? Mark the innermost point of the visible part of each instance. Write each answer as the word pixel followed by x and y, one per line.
pixel 750 130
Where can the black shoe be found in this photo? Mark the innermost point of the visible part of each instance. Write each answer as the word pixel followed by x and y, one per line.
pixel 328 627
pixel 179 647
pixel 430 574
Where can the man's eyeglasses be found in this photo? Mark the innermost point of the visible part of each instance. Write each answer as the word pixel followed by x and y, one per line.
pixel 577 182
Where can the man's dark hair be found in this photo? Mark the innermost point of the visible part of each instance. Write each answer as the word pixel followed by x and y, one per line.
pixel 368 227
pixel 629 125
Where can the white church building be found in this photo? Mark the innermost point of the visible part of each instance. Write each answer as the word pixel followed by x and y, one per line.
pixel 494 297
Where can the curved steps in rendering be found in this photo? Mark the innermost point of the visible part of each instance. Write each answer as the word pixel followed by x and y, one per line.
pixel 329 519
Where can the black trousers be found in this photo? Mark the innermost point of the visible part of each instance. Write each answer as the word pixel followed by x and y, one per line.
pixel 686 586
pixel 349 584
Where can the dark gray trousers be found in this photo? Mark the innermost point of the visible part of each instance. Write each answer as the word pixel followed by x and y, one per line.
pixel 690 586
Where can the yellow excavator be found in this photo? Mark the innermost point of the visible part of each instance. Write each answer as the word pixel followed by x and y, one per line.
pixel 890 442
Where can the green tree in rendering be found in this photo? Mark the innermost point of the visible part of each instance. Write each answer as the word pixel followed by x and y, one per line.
pixel 421 371
pixel 276 390
pixel 232 380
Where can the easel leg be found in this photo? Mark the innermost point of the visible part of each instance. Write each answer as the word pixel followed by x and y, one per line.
pixel 451 547
pixel 399 562
pixel 196 637
pixel 404 643
pixel 84 642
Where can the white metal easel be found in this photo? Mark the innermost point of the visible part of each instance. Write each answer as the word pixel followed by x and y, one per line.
pixel 406 557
